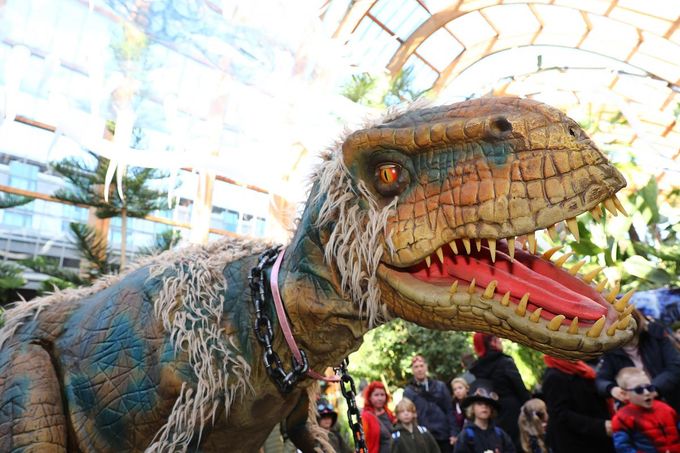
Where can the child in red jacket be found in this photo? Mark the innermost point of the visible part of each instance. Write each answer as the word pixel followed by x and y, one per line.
pixel 643 424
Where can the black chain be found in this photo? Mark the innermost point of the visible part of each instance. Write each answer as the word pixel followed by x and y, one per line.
pixel 264 331
pixel 353 414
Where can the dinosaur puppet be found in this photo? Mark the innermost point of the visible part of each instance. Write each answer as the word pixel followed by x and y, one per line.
pixel 415 217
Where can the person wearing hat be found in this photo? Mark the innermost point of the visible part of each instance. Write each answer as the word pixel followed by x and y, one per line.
pixel 500 370
pixel 482 435
pixel 327 418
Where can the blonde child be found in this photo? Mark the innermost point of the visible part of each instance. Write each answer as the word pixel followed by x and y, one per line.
pixel 533 420
pixel 643 424
pixel 482 435
pixel 409 437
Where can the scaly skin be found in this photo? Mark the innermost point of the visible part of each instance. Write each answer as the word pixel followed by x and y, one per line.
pixel 394 211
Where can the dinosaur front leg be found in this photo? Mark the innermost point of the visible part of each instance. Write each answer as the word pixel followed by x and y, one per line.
pixel 31 409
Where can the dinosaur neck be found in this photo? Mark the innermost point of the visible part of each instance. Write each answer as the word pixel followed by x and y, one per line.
pixel 325 324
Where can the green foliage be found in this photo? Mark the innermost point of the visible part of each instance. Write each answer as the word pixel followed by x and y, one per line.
pixel 50 266
pixel 11 279
pixel 94 250
pixel 381 91
pixel 8 200
pixel 387 351
pixel 162 242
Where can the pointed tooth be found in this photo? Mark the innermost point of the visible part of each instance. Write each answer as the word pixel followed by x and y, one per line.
pixel 531 238
pixel 552 232
pixel 621 304
pixel 596 329
pixel 600 286
pixel 623 323
pixel 490 289
pixel 596 212
pixel 611 330
pixel 522 306
pixel 573 270
pixel 573 327
pixel 550 252
pixel 440 255
pixel 536 315
pixel 560 261
pixel 428 261
pixel 572 224
pixel 478 244
pixel 492 249
pixel 454 247
pixel 466 243
pixel 592 274
pixel 611 297
pixel 511 248
pixel 472 287
pixel 618 205
pixel 610 206
pixel 454 287
pixel 629 309
pixel 505 301
pixel 556 322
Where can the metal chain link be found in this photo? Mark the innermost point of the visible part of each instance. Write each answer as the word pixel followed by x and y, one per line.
pixel 353 414
pixel 264 331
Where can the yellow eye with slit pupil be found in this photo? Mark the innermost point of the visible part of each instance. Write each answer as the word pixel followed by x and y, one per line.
pixel 389 174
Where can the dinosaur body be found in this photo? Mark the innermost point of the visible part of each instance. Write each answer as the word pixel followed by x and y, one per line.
pixel 415 217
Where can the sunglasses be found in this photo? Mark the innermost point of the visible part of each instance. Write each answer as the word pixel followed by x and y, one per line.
pixel 485 393
pixel 640 389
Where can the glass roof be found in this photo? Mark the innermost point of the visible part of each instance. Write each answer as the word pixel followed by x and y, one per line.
pixel 612 55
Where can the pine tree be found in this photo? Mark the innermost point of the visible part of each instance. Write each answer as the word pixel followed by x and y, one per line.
pixel 86 186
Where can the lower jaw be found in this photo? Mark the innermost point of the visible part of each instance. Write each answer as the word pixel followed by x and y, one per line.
pixel 467 309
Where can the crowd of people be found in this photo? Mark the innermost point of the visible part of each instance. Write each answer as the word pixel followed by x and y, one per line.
pixel 627 402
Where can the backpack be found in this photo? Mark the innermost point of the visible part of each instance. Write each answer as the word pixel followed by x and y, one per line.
pixel 470 436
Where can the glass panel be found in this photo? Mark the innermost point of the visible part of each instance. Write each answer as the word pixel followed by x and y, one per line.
pixel 422 76
pixel 402 17
pixel 440 49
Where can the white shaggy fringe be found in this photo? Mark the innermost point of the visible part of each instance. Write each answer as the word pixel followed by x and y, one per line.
pixel 190 306
pixel 356 241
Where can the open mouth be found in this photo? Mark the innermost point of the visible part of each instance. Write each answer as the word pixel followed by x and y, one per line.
pixel 513 288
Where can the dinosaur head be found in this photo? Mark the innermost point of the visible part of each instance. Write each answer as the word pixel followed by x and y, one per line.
pixel 438 198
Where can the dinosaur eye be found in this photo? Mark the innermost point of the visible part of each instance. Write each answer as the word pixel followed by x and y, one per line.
pixel 389 173
pixel 391 179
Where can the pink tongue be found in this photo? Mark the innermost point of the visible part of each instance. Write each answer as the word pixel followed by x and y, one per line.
pixel 553 289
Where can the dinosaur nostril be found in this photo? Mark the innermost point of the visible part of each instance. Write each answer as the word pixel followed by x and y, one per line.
pixel 502 124
pixel 500 127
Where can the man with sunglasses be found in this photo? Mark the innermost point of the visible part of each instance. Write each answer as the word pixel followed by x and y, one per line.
pixel 643 424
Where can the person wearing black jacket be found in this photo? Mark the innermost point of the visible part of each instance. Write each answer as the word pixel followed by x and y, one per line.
pixel 579 417
pixel 434 405
pixel 501 370
pixel 650 350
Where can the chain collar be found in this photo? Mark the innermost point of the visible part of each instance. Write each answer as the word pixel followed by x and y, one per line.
pixel 272 362
pixel 264 332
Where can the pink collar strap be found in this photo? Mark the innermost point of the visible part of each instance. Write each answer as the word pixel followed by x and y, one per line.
pixel 283 320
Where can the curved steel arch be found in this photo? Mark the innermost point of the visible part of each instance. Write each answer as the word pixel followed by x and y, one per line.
pixel 452 12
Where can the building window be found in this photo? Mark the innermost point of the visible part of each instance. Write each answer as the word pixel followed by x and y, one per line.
pixel 23 175
pixel 247 226
pixel 230 219
pixel 260 225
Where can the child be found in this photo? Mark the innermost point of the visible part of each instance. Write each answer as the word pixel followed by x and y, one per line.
pixel 482 435
pixel 460 388
pixel 643 424
pixel 533 420
pixel 408 436
pixel 327 418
